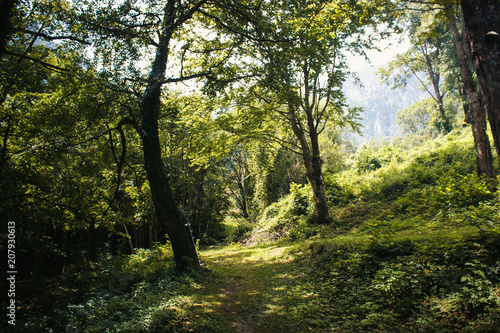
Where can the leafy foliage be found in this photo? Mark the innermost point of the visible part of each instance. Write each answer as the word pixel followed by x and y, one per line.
pixel 289 216
pixel 388 171
pixel 415 241
pixel 405 286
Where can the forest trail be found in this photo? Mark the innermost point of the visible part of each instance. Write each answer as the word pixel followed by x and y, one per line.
pixel 252 288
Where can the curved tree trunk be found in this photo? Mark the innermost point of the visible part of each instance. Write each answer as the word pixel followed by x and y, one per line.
pixel 312 163
pixel 482 27
pixel 476 110
pixel 165 206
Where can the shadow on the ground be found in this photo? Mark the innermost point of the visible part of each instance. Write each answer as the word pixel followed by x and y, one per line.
pixel 254 289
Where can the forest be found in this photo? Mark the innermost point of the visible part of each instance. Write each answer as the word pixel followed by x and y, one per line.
pixel 191 166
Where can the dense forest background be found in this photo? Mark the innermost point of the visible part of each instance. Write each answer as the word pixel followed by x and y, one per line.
pixel 217 166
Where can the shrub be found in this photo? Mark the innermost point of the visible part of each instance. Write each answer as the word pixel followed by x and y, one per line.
pixel 372 157
pixel 399 172
pixel 452 190
pixel 401 286
pixel 294 210
pixel 237 228
pixel 147 264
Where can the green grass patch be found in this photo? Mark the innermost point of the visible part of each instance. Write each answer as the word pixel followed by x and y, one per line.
pixel 414 246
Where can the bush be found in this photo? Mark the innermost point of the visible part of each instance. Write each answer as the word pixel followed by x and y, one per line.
pixel 289 216
pixel 452 190
pixel 372 157
pixel 402 286
pixel 385 173
pixel 337 194
pixel 237 228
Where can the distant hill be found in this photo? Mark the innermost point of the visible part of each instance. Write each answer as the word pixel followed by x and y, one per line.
pixel 380 103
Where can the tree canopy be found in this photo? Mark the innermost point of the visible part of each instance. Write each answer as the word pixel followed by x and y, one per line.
pixel 126 123
pixel 141 141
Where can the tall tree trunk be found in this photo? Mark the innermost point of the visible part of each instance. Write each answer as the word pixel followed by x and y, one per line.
pixel 482 27
pixel 165 207
pixel 312 163
pixel 476 110
pixel 444 125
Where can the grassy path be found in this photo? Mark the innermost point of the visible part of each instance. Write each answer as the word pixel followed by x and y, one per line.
pixel 252 289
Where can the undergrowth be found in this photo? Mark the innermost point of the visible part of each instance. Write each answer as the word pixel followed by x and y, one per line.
pixel 414 246
pixel 141 292
pixel 422 286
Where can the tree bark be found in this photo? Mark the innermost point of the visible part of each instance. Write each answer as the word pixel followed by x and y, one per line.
pixel 165 206
pixel 476 110
pixel 312 162
pixel 444 125
pixel 482 27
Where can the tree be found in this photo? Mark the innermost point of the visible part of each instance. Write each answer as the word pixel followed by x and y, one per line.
pixel 124 33
pixel 302 71
pixel 239 180
pixel 166 210
pixel 59 179
pixel 482 28
pixel 474 108
pixel 429 53
pixel 69 140
pixel 415 119
pixel 445 14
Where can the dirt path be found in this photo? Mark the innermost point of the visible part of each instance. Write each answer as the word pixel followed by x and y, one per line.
pixel 252 292
pixel 228 295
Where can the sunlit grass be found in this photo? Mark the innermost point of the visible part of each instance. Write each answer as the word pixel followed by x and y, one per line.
pixel 387 263
pixel 257 281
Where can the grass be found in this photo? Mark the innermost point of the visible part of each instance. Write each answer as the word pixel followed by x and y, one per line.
pixel 421 280
pixel 415 254
pixel 254 288
pixel 329 284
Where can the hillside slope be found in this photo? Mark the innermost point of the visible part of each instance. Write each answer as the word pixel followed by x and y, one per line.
pixel 414 247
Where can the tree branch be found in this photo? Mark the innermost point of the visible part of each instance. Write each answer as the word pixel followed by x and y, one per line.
pixel 51 38
pixel 185 78
pixel 41 62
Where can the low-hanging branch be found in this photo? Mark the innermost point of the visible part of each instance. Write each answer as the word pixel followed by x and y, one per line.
pixel 52 38
pixel 39 61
